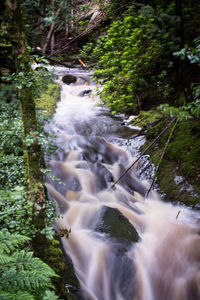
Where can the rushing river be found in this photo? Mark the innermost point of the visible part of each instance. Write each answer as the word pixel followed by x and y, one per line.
pixel 161 259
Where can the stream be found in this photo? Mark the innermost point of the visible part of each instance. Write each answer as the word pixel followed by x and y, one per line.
pixel 123 245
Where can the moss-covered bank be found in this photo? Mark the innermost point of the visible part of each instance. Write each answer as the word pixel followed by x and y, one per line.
pixel 179 173
pixel 46 101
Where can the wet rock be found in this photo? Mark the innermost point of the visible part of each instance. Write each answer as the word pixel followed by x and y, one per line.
pixel 83 165
pixel 123 266
pixel 122 235
pixel 103 175
pixel 72 285
pixel 69 79
pixel 115 225
pixel 64 179
pixel 85 92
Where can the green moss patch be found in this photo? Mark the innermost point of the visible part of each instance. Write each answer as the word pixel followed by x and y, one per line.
pixel 46 102
pixel 175 192
pixel 185 149
pixel 182 157
pixel 147 118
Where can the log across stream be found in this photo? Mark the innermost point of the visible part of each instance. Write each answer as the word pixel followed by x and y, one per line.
pixel 122 246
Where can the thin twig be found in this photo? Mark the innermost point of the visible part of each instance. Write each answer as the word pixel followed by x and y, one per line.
pixel 161 158
pixel 178 214
pixel 154 141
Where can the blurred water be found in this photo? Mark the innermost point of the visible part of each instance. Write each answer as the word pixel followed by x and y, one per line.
pixel 94 149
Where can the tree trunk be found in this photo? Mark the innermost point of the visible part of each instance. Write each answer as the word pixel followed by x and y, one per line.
pixel 32 154
pixel 52 43
pixel 179 12
pixel 51 30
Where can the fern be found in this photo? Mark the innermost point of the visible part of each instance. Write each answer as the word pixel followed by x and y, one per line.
pixel 4 258
pixel 49 295
pixel 22 276
pixel 9 242
pixel 4 295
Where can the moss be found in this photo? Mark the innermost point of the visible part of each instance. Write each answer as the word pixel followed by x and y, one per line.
pixel 185 149
pixel 181 99
pixel 46 102
pixel 147 118
pixel 111 219
pixel 167 184
pixel 181 159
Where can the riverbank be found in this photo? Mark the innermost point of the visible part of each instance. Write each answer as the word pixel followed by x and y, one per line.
pixel 179 172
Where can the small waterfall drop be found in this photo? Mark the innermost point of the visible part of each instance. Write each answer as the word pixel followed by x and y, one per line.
pixel 159 255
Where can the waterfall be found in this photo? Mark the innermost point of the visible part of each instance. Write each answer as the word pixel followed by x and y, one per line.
pixel 159 255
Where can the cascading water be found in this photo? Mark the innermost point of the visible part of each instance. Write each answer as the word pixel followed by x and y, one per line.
pixel 160 259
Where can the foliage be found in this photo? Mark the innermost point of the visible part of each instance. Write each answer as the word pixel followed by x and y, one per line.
pixel 132 58
pixel 190 53
pixel 22 276
pixel 11 133
pixel 11 147
pixel 21 79
pixel 112 6
pixel 30 79
pixel 184 112
pixel 46 13
pixel 16 211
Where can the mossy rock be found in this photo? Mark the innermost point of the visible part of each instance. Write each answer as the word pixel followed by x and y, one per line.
pixel 185 149
pixel 181 158
pixel 175 192
pixel 115 225
pixel 46 102
pixel 147 119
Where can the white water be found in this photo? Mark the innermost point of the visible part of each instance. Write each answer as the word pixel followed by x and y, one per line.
pixel 164 264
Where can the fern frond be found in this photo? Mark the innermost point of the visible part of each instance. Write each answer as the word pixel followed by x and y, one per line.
pixel 24 280
pixel 32 263
pixel 22 276
pixel 24 257
pixel 24 296
pixel 26 272
pixel 4 295
pixel 9 242
pixel 5 259
pixel 49 295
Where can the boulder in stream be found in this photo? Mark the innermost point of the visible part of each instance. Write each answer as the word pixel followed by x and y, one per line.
pixel 115 225
pixel 69 79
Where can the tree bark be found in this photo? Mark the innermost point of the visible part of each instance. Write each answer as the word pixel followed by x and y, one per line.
pixel 51 30
pixel 52 43
pixel 32 154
